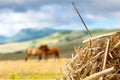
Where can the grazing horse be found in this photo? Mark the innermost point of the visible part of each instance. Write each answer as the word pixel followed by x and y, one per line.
pixel 34 52
pixel 50 51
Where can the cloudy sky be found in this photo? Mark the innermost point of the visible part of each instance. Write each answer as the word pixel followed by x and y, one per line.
pixel 59 14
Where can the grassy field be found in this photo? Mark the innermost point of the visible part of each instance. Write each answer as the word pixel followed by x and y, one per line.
pixel 32 69
pixel 13 66
pixel 12 55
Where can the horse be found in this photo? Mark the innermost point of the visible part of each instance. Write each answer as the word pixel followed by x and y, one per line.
pixel 50 51
pixel 34 52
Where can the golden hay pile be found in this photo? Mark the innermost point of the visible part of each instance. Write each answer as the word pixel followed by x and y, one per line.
pixel 97 59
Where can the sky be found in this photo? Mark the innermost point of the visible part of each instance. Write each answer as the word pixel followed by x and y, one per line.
pixel 59 14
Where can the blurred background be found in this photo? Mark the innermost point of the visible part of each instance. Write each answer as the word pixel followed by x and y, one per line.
pixel 29 23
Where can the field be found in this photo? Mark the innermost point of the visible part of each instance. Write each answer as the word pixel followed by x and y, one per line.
pixel 14 67
pixel 12 55
pixel 32 69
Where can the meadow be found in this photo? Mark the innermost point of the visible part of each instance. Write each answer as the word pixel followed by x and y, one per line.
pixel 32 69
pixel 14 67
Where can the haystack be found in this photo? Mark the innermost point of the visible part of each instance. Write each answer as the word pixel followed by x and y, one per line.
pixel 97 59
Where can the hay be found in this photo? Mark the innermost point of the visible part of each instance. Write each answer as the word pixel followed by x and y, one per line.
pixel 97 59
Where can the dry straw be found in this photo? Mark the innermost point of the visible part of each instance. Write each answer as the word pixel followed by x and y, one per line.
pixel 97 59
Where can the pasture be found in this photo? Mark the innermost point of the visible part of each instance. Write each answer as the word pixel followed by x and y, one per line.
pixel 32 69
pixel 13 65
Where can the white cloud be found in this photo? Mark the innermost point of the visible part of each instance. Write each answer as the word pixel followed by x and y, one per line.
pixel 15 21
pixel 95 17
pixel 46 16
pixel 57 14
pixel 18 2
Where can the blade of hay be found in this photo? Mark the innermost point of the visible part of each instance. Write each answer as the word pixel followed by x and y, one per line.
pixel 110 55
pixel 72 55
pixel 106 52
pixel 98 55
pixel 67 66
pixel 90 44
pixel 76 49
pixel 66 70
pixel 81 19
pixel 85 73
pixel 100 36
pixel 115 74
pixel 105 56
pixel 115 38
pixel 118 44
pixel 99 74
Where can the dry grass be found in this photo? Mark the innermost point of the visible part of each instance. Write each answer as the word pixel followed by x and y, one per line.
pixel 32 68
pixel 97 59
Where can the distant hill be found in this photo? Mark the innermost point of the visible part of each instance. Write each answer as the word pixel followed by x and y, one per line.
pixel 63 39
pixel 2 39
pixel 50 34
pixel 28 34
pixel 71 35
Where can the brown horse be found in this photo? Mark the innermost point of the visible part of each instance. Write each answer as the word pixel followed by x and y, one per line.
pixel 50 51
pixel 34 52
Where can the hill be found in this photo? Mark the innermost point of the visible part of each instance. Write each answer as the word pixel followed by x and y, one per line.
pixel 32 34
pixel 64 40
pixel 2 39
pixel 28 34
